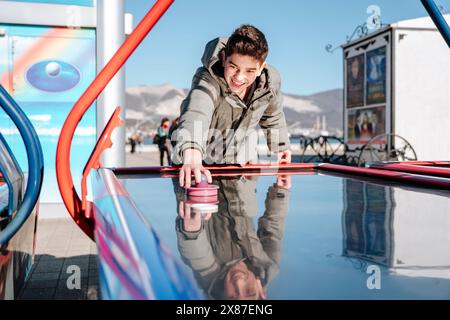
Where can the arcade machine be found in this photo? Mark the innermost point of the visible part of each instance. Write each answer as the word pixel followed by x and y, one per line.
pixel 50 52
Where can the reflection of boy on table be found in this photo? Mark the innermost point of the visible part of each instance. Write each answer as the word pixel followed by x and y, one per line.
pixel 229 258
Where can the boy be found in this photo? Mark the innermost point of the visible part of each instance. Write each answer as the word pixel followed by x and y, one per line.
pixel 233 92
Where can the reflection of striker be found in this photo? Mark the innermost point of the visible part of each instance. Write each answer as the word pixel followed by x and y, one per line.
pixel 203 196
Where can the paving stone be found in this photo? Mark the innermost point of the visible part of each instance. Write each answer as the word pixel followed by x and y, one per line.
pixel 70 295
pixel 60 244
pixel 38 294
pixel 44 276
pixel 33 283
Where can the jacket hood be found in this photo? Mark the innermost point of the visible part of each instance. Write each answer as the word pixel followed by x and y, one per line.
pixel 211 53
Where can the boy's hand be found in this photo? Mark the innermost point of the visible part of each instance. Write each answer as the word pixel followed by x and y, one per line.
pixel 192 221
pixel 192 163
pixel 284 156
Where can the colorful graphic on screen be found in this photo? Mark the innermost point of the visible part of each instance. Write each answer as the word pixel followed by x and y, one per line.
pixel 46 70
pixel 364 124
pixel 376 76
pixel 355 81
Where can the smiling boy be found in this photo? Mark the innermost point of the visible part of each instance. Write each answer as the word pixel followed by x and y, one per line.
pixel 233 92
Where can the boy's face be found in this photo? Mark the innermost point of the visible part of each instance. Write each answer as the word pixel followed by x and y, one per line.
pixel 240 72
pixel 241 284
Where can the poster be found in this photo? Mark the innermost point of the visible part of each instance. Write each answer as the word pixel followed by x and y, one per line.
pixel 367 216
pixel 364 124
pixel 376 76
pixel 355 81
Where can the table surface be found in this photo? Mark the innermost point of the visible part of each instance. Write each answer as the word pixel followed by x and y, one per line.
pixel 325 237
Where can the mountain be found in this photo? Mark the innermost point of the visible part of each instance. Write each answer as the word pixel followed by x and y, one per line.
pixel 308 113
pixel 147 105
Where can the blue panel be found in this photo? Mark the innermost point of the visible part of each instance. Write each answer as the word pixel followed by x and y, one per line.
pixel 86 3
pixel 46 70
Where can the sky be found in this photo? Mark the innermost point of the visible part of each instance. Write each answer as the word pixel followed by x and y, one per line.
pixel 297 32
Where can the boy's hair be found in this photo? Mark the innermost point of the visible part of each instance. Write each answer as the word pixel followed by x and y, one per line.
pixel 249 41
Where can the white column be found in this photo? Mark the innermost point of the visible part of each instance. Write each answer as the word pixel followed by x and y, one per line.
pixel 110 36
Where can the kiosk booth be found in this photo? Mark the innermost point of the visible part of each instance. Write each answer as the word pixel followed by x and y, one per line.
pixel 396 88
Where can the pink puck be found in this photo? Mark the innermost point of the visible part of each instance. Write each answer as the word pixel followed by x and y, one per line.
pixel 203 192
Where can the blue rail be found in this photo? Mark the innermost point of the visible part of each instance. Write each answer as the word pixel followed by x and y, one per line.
pixel 35 164
pixel 438 19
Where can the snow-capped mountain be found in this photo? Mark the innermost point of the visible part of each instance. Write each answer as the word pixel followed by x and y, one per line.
pixel 147 105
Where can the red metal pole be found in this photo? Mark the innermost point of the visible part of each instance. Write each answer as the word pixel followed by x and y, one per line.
pixel 421 180
pixel 426 170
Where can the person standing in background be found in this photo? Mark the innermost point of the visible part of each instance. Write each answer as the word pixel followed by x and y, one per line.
pixel 174 126
pixel 162 134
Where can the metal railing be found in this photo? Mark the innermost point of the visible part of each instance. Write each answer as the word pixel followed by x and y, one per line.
pixel 332 149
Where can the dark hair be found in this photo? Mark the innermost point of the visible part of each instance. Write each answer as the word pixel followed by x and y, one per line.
pixel 217 288
pixel 249 41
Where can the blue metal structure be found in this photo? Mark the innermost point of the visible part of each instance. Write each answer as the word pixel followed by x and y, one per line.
pixel 438 19
pixel 35 163
pixel 124 228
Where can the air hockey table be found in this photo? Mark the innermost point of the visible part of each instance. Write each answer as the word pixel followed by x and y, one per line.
pixel 19 202
pixel 303 231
